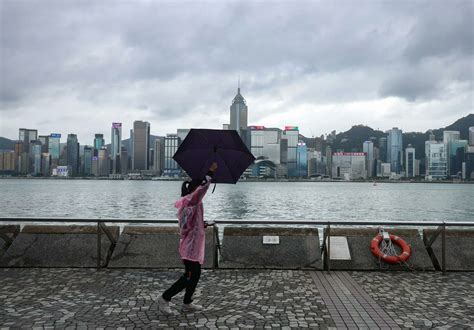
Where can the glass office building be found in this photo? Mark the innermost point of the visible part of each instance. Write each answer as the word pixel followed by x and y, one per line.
pixel 301 160
pixel 395 149
pixel 457 149
pixel 36 152
pixel 54 145
pixel 368 148
pixel 171 168
pixel 72 158
pixel 291 135
pixel 88 154
pixel 99 141
pixel 410 162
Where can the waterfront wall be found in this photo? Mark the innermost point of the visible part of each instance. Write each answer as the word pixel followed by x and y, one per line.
pixel 241 247
pixel 57 246
pixel 297 248
pixel 155 247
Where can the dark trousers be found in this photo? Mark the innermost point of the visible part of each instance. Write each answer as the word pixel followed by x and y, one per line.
pixel 188 281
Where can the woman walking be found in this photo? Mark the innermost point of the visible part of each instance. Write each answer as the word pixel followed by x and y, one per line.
pixel 192 241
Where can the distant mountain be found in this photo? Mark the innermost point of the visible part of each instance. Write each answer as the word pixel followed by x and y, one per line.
pixel 352 140
pixel 6 144
pixel 462 125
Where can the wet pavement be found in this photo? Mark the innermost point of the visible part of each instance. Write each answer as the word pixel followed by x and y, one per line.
pixel 127 298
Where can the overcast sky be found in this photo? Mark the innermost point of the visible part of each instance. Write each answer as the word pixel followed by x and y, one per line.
pixel 76 67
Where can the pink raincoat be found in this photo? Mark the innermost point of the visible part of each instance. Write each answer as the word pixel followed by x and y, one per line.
pixel 191 223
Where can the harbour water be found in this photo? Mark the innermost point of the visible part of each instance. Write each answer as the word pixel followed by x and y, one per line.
pixel 246 200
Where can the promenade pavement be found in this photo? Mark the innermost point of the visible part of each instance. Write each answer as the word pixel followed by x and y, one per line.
pixel 126 298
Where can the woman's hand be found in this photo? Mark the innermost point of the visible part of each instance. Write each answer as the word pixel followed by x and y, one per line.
pixel 213 167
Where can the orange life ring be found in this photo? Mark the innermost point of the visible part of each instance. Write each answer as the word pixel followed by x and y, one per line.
pixel 404 256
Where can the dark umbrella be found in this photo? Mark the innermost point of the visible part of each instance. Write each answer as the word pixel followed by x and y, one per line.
pixel 202 147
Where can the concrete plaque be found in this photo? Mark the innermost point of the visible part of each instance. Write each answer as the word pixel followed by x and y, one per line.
pixel 339 248
pixel 271 239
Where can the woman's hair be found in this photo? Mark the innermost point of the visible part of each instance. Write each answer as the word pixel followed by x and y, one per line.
pixel 189 186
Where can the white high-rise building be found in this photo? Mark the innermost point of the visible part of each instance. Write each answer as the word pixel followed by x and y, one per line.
pixel 436 162
pixel 265 143
pixel 450 135
pixel 471 136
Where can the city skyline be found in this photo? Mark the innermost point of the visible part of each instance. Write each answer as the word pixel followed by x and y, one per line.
pixel 319 66
pixel 126 136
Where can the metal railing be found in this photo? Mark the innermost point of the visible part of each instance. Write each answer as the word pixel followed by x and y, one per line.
pixel 326 224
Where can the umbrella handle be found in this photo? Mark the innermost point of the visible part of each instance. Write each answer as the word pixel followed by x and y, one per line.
pixel 215 184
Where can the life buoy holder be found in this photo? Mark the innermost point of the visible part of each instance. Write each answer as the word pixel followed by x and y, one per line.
pixel 403 257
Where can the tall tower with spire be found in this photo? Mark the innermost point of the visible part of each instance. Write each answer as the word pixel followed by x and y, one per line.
pixel 238 113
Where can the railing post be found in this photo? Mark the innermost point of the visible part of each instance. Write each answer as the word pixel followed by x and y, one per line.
pixel 328 247
pixel 99 245
pixel 443 248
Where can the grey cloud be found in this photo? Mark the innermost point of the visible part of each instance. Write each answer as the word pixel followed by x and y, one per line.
pixel 176 57
pixel 446 29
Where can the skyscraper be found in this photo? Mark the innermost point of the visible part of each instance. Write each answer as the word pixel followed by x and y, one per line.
pixel 383 149
pixel 99 141
pixel 27 135
pixel 172 142
pixel 159 160
pixel 302 160
pixel 471 136
pixel 44 139
pixel 35 149
pixel 124 160
pixel 103 162
pixel 368 149
pixel 7 161
pixel 72 156
pixel 46 164
pixel 436 164
pixel 395 149
pixel 410 162
pixel 141 145
pixel 238 113
pixel 291 134
pixel 116 145
pixel 265 143
pixel 455 157
pixel 88 154
pixel 54 146
pixel 448 137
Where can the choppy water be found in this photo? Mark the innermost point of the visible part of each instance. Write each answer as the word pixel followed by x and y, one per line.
pixel 246 200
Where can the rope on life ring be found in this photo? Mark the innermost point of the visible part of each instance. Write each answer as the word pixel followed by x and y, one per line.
pixel 403 257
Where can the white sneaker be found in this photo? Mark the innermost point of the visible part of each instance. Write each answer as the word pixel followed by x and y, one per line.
pixel 164 306
pixel 190 308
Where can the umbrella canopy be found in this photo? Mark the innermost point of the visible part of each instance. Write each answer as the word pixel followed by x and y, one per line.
pixel 202 147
